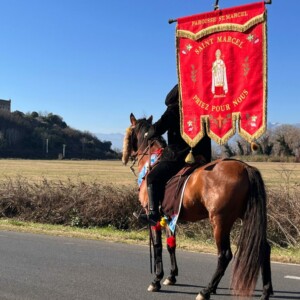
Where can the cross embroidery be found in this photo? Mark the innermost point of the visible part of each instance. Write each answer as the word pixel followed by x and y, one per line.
pixel 220 119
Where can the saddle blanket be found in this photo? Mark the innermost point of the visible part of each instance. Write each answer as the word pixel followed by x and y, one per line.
pixel 173 197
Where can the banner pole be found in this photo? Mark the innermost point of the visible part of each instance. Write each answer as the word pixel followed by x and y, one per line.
pixel 216 5
pixel 170 21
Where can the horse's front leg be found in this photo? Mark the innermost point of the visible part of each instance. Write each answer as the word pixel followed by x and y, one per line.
pixel 171 246
pixel 158 263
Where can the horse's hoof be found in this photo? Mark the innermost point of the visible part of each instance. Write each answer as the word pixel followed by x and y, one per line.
pixel 264 297
pixel 202 297
pixel 170 281
pixel 154 287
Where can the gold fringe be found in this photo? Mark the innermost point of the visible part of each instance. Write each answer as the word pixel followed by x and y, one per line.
pixel 244 134
pixel 221 27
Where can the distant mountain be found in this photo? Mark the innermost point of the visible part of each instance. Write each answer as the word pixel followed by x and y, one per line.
pixel 274 125
pixel 115 138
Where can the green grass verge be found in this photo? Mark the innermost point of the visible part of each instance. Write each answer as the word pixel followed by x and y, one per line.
pixel 131 237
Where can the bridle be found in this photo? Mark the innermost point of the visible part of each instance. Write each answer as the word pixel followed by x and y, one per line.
pixel 136 157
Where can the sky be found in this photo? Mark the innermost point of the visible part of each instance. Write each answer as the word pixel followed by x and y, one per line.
pixel 93 62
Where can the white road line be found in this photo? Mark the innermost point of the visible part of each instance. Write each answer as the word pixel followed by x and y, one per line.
pixel 292 277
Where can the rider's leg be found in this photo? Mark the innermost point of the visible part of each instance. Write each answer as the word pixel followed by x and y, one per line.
pixel 154 200
pixel 155 195
pixel 156 181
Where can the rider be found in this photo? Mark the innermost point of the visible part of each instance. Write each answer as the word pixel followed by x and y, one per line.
pixel 173 157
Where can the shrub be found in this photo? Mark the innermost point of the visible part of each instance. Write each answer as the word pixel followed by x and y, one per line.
pixel 85 204
pixel 70 203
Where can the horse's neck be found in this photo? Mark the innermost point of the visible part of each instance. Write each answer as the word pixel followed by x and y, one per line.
pixel 156 146
pixel 145 155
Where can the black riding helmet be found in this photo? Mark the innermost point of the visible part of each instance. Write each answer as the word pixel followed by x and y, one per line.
pixel 172 97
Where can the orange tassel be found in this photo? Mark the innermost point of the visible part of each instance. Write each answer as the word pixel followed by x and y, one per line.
pixel 254 146
pixel 190 158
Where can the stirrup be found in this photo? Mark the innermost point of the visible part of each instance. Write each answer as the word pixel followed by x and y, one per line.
pixel 136 215
pixel 151 219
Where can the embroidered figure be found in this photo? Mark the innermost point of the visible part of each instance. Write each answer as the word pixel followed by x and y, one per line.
pixel 219 86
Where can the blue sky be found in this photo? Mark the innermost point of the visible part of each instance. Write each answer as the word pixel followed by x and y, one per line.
pixel 93 62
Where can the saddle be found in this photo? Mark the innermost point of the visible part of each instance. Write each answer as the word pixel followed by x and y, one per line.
pixel 172 197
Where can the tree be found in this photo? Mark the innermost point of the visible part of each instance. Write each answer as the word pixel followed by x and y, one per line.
pixel 284 149
pixel 229 152
pixel 266 145
pixel 34 135
pixel 286 139
pixel 34 115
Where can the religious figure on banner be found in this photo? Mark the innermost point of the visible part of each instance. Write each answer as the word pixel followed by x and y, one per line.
pixel 222 71
pixel 219 86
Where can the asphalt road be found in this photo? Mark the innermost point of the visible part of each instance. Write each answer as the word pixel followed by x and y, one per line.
pixel 46 267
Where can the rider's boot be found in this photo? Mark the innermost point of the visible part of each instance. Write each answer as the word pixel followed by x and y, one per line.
pixel 154 216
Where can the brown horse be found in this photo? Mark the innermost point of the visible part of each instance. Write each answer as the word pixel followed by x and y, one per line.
pixel 223 191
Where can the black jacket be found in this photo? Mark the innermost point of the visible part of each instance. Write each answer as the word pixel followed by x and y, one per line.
pixel 169 122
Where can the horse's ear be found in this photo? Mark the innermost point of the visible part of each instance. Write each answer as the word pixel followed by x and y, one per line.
pixel 132 119
pixel 150 119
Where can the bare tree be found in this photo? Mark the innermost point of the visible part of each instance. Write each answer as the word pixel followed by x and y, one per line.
pixel 286 139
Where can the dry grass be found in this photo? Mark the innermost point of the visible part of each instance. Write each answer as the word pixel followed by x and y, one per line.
pixel 107 172
pixel 277 173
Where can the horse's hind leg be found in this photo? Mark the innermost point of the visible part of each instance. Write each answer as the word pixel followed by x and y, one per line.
pixel 224 257
pixel 266 274
pixel 158 263
pixel 171 246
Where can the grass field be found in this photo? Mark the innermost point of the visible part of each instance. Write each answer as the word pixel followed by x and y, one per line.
pixel 108 172
pixel 113 172
pixel 279 173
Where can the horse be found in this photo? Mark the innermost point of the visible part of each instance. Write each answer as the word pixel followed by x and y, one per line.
pixel 223 191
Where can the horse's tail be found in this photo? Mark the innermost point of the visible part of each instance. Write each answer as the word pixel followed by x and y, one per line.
pixel 251 246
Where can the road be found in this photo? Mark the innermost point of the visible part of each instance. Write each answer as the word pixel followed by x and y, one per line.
pixel 40 267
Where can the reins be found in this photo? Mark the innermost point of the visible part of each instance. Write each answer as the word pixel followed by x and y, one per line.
pixel 137 158
pixel 147 151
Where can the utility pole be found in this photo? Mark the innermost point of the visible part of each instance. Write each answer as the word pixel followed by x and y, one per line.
pixel 64 150
pixel 47 142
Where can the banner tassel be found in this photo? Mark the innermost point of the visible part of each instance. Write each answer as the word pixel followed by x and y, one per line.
pixel 254 146
pixel 190 158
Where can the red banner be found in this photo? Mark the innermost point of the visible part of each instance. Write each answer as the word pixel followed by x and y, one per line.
pixel 222 70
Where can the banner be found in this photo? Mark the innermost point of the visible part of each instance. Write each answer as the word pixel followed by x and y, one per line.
pixel 222 72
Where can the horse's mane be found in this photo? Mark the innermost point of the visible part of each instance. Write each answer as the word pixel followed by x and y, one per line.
pixel 126 145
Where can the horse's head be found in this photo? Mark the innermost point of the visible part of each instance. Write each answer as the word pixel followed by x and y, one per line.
pixel 139 148
pixel 134 139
